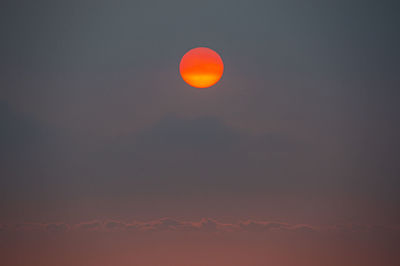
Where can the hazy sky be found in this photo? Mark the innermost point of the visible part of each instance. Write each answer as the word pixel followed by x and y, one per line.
pixel 97 124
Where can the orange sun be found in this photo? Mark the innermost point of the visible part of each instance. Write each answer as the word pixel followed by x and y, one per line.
pixel 201 67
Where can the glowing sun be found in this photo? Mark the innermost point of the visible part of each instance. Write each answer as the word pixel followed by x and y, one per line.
pixel 201 67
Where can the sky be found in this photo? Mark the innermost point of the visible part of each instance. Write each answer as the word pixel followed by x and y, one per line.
pixel 290 159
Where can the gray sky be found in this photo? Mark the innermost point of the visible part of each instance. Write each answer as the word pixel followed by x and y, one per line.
pixel 96 121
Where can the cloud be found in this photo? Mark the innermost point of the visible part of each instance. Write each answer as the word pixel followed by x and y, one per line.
pixel 257 226
pixel 365 229
pixel 115 225
pixel 49 227
pixel 211 225
pixel 29 227
pixel 206 225
pixel 162 225
pixel 132 227
pixel 57 227
pixel 205 134
pixel 90 226
pixel 169 224
pixel 303 228
pixel 197 154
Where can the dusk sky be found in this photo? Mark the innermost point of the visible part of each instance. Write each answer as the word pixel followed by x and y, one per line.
pixel 109 158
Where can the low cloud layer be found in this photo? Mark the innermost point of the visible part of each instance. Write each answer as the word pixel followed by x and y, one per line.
pixel 206 225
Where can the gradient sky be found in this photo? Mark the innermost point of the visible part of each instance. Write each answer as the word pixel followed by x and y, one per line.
pixel 97 124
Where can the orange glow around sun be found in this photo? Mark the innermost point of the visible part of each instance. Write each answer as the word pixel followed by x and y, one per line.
pixel 201 67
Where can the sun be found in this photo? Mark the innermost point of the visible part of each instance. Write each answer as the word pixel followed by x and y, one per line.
pixel 201 67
